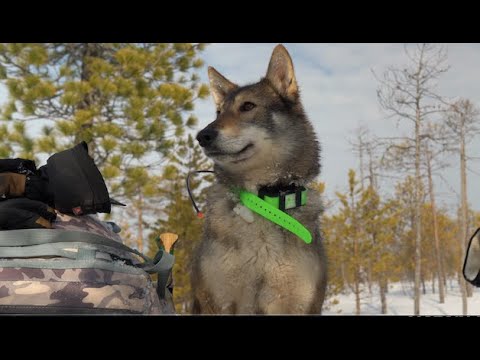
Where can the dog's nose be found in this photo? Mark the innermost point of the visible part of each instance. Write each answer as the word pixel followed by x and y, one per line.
pixel 206 137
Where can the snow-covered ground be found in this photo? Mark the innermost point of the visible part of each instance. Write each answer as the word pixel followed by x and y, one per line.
pixel 400 302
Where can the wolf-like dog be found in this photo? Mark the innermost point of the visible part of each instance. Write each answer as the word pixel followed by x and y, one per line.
pixel 246 264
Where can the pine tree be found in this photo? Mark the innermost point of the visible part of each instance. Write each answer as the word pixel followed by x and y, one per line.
pixel 385 239
pixel 351 234
pixel 379 223
pixel 14 141
pixel 129 101
pixel 365 146
pixel 123 99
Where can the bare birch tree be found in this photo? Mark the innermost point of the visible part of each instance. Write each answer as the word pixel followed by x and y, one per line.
pixel 463 121
pixel 408 94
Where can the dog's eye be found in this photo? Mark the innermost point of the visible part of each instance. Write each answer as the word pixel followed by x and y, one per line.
pixel 218 112
pixel 247 106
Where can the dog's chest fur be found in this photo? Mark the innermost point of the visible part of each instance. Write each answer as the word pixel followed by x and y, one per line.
pixel 258 266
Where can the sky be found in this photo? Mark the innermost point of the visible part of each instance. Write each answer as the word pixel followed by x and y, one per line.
pixel 338 92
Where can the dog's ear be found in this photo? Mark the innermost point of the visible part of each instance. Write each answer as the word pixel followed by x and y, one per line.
pixel 219 85
pixel 281 74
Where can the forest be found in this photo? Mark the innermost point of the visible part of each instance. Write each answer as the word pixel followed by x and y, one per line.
pixel 134 104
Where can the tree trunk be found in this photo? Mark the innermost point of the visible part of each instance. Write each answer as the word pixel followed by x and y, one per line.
pixel 464 214
pixel 383 291
pixel 438 262
pixel 373 180
pixel 469 289
pixel 140 222
pixel 355 255
pixel 442 262
pixel 88 50
pixel 343 272
pixel 369 277
pixel 357 276
pixel 361 165
pixel 418 228
pixel 424 288
pixel 463 291
pixel 372 184
pixel 357 296
pixel 344 275
pixel 360 226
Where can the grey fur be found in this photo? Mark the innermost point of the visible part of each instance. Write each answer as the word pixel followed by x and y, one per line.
pixel 258 267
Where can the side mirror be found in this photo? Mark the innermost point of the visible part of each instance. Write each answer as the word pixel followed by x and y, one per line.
pixel 471 265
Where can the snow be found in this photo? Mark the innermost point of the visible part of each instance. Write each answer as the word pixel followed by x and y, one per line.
pixel 400 301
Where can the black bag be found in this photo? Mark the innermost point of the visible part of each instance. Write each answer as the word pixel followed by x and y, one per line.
pixel 76 183
pixel 19 166
pixel 23 213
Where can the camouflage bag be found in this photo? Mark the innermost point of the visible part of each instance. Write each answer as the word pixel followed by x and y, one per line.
pixel 80 267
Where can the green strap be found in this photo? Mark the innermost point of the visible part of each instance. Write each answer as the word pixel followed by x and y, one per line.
pixel 269 212
pixel 161 265
pixel 27 237
pixel 71 264
pixel 35 251
pixel 86 254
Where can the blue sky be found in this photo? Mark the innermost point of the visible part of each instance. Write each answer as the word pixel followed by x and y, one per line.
pixel 339 94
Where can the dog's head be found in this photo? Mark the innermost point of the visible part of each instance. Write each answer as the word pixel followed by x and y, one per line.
pixel 258 125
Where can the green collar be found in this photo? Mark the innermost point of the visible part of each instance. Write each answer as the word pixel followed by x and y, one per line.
pixel 269 208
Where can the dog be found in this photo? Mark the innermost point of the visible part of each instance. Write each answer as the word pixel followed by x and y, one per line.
pixel 261 137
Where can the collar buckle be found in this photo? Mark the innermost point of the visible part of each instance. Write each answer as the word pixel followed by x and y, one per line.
pixel 284 197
